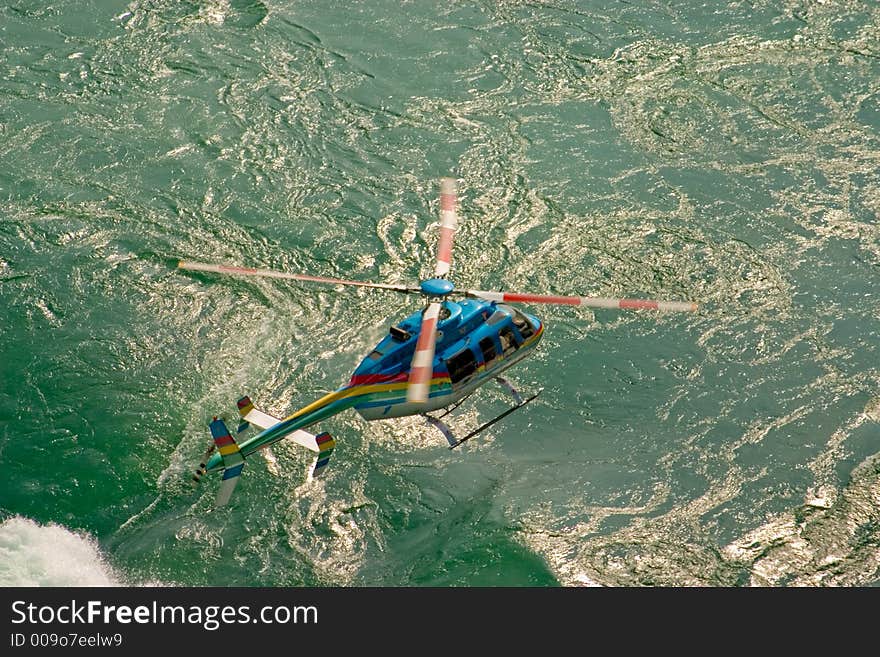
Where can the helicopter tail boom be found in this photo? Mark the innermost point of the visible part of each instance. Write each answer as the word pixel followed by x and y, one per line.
pixel 252 416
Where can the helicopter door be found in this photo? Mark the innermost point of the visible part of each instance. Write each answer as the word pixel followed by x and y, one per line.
pixel 487 346
pixel 461 366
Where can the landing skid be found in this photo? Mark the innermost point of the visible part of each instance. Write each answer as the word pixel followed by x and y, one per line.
pixel 447 432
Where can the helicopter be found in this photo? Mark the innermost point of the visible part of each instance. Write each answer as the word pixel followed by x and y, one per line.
pixel 430 362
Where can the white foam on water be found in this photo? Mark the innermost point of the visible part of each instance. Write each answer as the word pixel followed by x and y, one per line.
pixel 50 555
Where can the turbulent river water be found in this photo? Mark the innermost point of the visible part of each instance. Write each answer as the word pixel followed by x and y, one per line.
pixel 726 153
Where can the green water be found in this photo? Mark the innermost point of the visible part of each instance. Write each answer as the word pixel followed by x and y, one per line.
pixel 726 154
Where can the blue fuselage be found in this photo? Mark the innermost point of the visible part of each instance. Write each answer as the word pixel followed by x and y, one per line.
pixel 476 340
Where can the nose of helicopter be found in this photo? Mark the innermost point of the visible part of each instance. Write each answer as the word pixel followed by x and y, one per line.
pixel 537 324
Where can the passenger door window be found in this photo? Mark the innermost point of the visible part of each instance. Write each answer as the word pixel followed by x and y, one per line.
pixel 487 346
pixel 461 366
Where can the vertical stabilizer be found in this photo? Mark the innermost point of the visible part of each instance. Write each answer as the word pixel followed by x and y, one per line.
pixel 326 444
pixel 233 461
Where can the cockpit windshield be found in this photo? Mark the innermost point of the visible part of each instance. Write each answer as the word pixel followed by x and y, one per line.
pixel 526 329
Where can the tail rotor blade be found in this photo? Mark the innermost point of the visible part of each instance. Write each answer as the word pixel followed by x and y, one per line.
pixel 448 225
pixel 270 273
pixel 592 302
pixel 422 365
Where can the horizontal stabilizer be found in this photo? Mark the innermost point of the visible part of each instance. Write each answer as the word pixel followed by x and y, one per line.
pixel 326 444
pixel 306 439
pixel 252 415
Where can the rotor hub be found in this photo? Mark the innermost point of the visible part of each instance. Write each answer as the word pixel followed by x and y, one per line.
pixel 436 287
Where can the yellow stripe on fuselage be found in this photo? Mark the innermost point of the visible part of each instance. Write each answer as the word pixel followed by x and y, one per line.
pixel 356 391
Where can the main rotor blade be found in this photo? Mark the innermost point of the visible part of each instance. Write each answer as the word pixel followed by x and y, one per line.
pixel 422 366
pixel 269 273
pixel 593 302
pixel 448 225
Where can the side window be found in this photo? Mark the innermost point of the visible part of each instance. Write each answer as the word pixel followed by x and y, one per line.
pixel 524 326
pixel 461 365
pixel 487 346
pixel 508 342
pixel 399 334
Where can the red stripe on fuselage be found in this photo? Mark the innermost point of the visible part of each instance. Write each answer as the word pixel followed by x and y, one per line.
pixel 368 379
